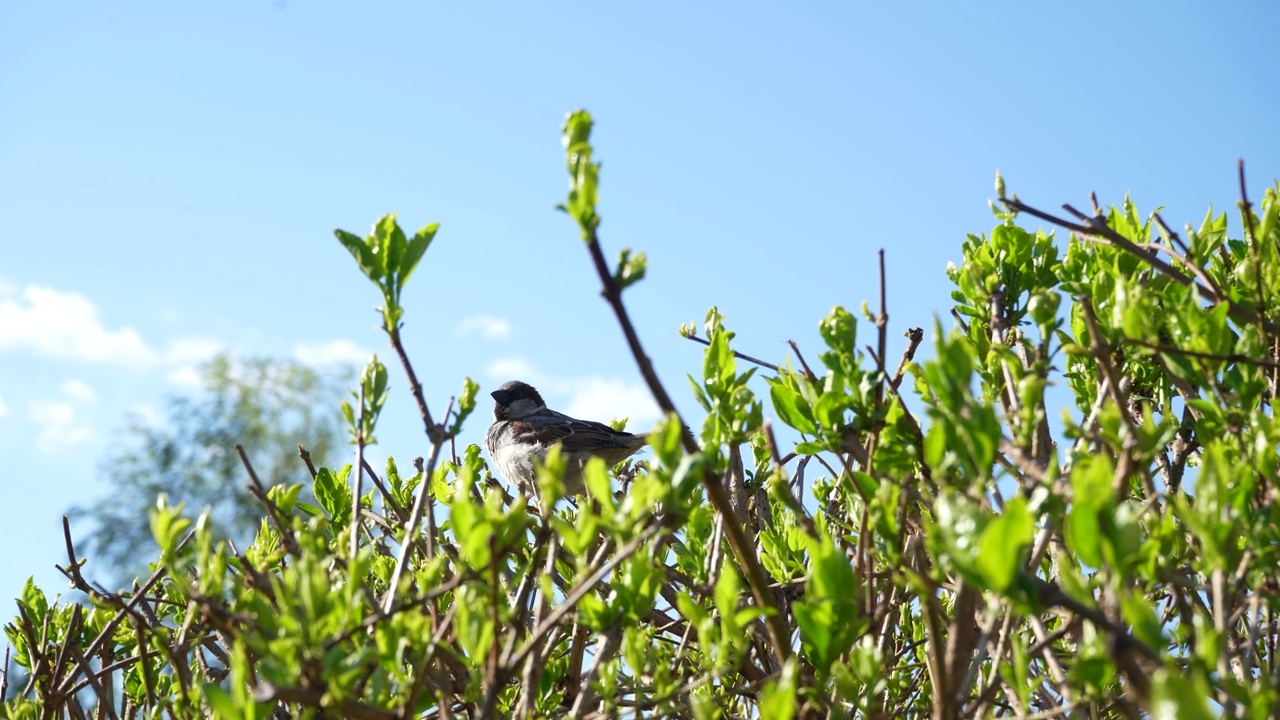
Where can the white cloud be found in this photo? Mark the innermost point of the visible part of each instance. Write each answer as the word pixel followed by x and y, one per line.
pixel 60 428
pixel 187 376
pixel 514 368
pixel 488 326
pixel 66 325
pixel 4 409
pixel 337 352
pixel 589 397
pixel 184 356
pixel 597 398
pixel 79 391
pixel 51 323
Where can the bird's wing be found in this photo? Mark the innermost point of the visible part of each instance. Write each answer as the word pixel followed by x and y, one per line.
pixel 590 436
pixel 539 431
pixel 574 435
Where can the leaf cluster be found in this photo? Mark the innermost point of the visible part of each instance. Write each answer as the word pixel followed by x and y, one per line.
pixel 929 540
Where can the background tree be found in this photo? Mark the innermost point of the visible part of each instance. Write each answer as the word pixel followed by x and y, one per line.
pixel 955 555
pixel 269 406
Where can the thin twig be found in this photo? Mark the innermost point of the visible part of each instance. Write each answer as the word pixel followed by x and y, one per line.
pixel 740 356
pixel 914 337
pixel 105 704
pixel 1097 228
pixel 356 488
pixel 1223 357
pixel 808 374
pixel 1246 207
pixel 757 580
pixel 4 675
pixel 435 433
pixel 260 492
pixel 411 528
pixel 306 458
pixel 784 489
pixel 579 591
pixel 388 502
pixel 125 608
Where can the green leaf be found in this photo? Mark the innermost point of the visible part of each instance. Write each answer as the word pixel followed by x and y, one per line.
pixel 583 174
pixel 363 252
pixel 1180 696
pixel 415 249
pixel 638 581
pixel 390 249
pixel 791 407
pixel 168 525
pixel 285 496
pixel 334 495
pixel 631 269
pixel 831 575
pixel 956 533
pixel 596 479
pixel 778 698
pixel 35 602
pixel 1001 546
pixel 1091 481
pixel 937 444
pixel 1084 534
pixel 839 331
pixel 466 405
pixel 828 616
pixel 224 708
pixel 1142 617
pixel 727 590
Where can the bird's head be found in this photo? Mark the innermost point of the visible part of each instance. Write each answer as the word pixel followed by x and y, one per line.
pixel 515 399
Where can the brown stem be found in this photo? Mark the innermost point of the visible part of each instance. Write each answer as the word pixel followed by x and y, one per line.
pixel 258 491
pixel 580 589
pixel 411 527
pixel 306 458
pixel 356 488
pixel 914 337
pixel 740 356
pixel 1099 229
pixel 716 493
pixel 435 433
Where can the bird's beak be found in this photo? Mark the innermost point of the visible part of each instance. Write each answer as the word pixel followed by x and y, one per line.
pixel 502 397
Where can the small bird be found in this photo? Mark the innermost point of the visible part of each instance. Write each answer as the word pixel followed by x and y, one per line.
pixel 524 429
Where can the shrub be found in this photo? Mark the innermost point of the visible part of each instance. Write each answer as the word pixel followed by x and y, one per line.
pixel 933 541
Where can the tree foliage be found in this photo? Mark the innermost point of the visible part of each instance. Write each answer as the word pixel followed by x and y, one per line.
pixel 936 541
pixel 267 406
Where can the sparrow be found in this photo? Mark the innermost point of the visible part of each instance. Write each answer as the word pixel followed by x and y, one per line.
pixel 524 429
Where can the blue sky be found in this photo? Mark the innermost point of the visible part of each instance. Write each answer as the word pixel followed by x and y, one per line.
pixel 171 173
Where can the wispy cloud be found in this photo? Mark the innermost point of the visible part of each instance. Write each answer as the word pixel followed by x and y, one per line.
pixel 4 409
pixel 65 325
pixel 337 352
pixel 68 326
pixel 184 357
pixel 79 391
pixel 598 398
pixel 590 397
pixel 488 326
pixel 58 421
pixel 515 368
pixel 187 377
